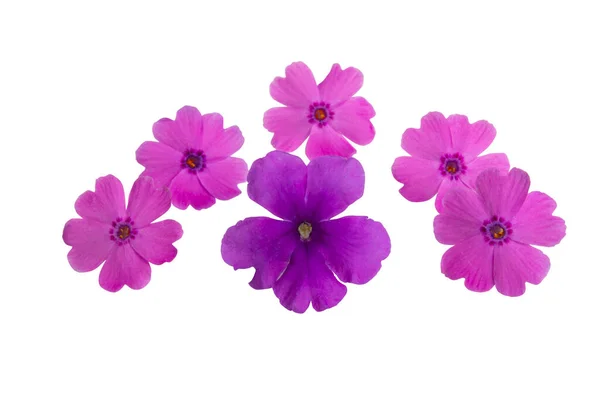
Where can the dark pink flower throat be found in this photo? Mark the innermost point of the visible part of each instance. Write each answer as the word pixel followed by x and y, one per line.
pixel 122 231
pixel 319 113
pixel 193 160
pixel 496 231
pixel 452 165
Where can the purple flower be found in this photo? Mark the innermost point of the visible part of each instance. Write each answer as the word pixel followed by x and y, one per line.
pixel 326 112
pixel 492 227
pixel 125 238
pixel 444 155
pixel 299 256
pixel 192 158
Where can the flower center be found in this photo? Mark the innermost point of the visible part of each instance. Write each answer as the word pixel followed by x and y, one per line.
pixel 122 231
pixel 305 230
pixel 193 160
pixel 496 231
pixel 319 113
pixel 452 165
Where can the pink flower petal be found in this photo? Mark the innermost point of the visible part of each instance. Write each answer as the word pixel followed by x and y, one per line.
pixel 307 279
pixel 340 85
pixel 154 242
pixel 224 144
pixel 187 190
pixel 472 260
pixel 161 161
pixel 147 202
pixel 124 267
pixel 515 264
pixel 183 133
pixel 278 183
pixel 353 247
pixel 289 126
pixel 297 89
pixel 535 224
pixel 503 195
pixel 105 204
pixel 475 167
pixel 327 142
pixel 446 186
pixel 470 140
pixel 352 120
pixel 212 129
pixel 421 177
pixel 333 184
pixel 461 217
pixel 90 241
pixel 221 178
pixel 431 141
pixel 263 243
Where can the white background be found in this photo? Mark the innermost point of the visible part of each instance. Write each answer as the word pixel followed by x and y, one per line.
pixel 81 84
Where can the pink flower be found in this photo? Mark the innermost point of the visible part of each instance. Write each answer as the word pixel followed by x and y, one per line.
pixel 192 158
pixel 492 227
pixel 324 113
pixel 444 155
pixel 125 238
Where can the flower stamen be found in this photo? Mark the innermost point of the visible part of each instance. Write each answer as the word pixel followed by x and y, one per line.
pixel 305 230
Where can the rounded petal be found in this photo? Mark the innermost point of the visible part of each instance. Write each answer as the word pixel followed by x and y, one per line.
pixel 147 202
pixel 212 128
pixel 224 144
pixel 307 279
pixel 278 183
pixel 333 184
pixel 352 120
pixel 535 224
pixel 353 247
pixel 431 140
pixel 263 243
pixel 340 85
pixel 470 140
pixel 446 186
pixel 475 167
pixel 90 241
pixel 421 178
pixel 124 267
pixel 187 190
pixel 221 178
pixel 154 242
pixel 183 133
pixel 105 204
pixel 297 89
pixel 461 217
pixel 515 264
pixel 161 161
pixel 327 142
pixel 503 195
pixel 289 127
pixel 472 260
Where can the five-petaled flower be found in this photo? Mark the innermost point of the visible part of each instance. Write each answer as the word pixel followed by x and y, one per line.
pixel 492 227
pixel 125 238
pixel 444 155
pixel 192 158
pixel 298 256
pixel 324 113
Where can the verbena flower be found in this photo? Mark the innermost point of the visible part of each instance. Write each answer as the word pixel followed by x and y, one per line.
pixel 327 112
pixel 125 238
pixel 492 228
pixel 301 256
pixel 444 155
pixel 192 158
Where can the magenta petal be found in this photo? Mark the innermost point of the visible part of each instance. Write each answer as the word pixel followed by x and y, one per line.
pixel 446 186
pixel 106 204
pixel 161 161
pixel 187 190
pixel 297 89
pixel 475 167
pixel 503 195
pixel 461 217
pixel 289 126
pixel 471 260
pixel 327 142
pixel 515 264
pixel 352 120
pixel 182 133
pixel 333 184
pixel 212 129
pixel 147 202
pixel 278 183
pixel 421 177
pixel 353 247
pixel 263 243
pixel 221 178
pixel 340 85
pixel 470 140
pixel 124 267
pixel 431 141
pixel 154 242
pixel 535 224
pixel 224 144
pixel 90 241
pixel 307 279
